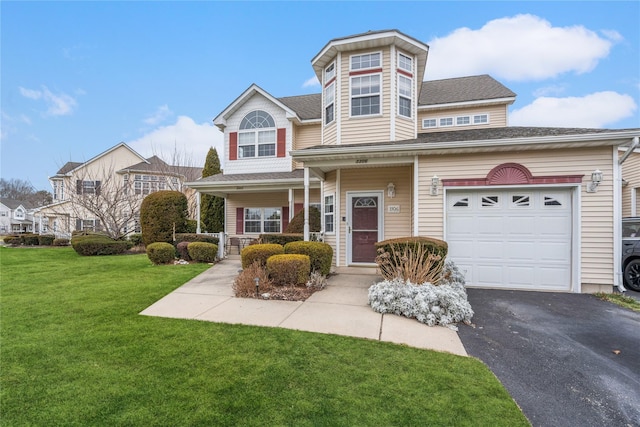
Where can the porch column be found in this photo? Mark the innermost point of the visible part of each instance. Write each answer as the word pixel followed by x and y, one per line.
pixel 198 212
pixel 306 204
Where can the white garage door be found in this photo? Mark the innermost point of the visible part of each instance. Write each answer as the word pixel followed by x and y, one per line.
pixel 515 239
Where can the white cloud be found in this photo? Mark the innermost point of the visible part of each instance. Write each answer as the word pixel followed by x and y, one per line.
pixel 597 110
pixel 185 140
pixel 549 90
pixel 313 81
pixel 161 113
pixel 59 104
pixel 518 48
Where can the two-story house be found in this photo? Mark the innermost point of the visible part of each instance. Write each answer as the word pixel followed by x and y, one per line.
pixel 385 154
pixel 105 192
pixel 16 217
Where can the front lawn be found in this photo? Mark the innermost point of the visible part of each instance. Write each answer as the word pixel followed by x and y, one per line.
pixel 74 351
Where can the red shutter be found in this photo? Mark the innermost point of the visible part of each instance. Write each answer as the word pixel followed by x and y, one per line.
pixel 297 207
pixel 285 218
pixel 282 142
pixel 239 220
pixel 233 145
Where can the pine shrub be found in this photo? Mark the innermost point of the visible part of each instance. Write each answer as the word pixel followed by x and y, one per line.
pixel 161 252
pixel 296 225
pixel 259 253
pixel 289 269
pixel 162 214
pixel 320 254
pixel 202 252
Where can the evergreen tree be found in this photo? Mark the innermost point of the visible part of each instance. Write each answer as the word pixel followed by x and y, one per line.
pixel 212 207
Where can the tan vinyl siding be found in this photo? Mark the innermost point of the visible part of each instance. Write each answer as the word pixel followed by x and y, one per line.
pixel 330 134
pixel 405 128
pixel 596 210
pixel 395 224
pixel 631 174
pixel 304 137
pixel 355 130
pixel 497 117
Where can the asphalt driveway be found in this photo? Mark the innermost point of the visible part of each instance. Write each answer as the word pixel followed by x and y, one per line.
pixel 566 359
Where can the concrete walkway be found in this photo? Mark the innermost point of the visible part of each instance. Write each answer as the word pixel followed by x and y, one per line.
pixel 341 308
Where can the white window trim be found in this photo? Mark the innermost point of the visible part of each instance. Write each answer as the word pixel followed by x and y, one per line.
pixel 262 219
pixel 464 124
pixel 332 214
pixel 406 56
pixel 379 94
pixel 455 121
pixel 331 86
pixel 379 52
pixel 410 98
pixel 256 144
pixel 326 78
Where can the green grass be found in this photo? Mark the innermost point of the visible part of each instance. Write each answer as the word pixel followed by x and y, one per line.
pixel 621 300
pixel 75 352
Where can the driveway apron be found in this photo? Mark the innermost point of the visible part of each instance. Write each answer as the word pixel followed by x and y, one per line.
pixel 566 359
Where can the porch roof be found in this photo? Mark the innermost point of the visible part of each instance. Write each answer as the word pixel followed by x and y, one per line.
pixel 221 184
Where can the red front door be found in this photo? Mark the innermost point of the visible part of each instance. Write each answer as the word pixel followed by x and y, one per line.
pixel 364 228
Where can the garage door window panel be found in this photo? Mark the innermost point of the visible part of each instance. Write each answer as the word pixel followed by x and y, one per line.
pixel 490 202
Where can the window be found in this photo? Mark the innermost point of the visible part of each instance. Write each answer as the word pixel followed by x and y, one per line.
pixel 405 63
pixel 58 190
pixel 329 214
pixel 551 201
pixel 87 187
pixel 490 201
pixel 463 120
pixel 446 121
pixel 329 103
pixel 365 95
pixel 147 184
pixel 480 119
pixel 404 96
pixel 366 61
pixel 521 201
pixel 257 135
pixel 329 73
pixel 429 123
pixel 3 213
pixel 19 214
pixel 463 202
pixel 262 220
pixel 88 225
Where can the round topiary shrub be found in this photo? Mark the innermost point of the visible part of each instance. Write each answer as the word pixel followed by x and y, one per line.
pixel 259 253
pixel 161 252
pixel 320 254
pixel 162 214
pixel 202 251
pixel 289 269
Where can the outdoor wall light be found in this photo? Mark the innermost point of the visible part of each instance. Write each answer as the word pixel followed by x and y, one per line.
pixel 391 190
pixel 257 280
pixel 596 179
pixel 435 181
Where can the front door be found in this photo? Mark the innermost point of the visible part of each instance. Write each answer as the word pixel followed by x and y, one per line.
pixel 364 226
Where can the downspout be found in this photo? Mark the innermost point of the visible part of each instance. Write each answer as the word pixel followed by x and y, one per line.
pixel 306 204
pixel 617 215
pixel 198 230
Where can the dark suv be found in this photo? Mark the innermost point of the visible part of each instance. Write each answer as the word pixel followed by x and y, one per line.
pixel 631 252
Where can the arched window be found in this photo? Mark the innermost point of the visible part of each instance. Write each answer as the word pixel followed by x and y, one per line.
pixel 257 135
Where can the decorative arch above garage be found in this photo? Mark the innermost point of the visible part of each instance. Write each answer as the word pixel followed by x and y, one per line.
pixel 512 174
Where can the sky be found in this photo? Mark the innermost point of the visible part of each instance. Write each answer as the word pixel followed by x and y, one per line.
pixel 79 77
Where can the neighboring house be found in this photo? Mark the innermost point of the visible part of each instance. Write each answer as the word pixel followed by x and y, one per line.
pixel 385 154
pixel 631 184
pixel 16 217
pixel 105 192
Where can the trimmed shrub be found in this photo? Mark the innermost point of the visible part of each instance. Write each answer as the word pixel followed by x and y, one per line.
pixel 161 252
pixel 193 237
pixel 320 254
pixel 296 225
pixel 29 239
pixel 191 226
pixel 161 214
pixel 259 253
pixel 202 251
pixel 46 239
pixel 289 269
pixel 13 240
pixel 281 239
pixel 416 259
pixel 91 245
pixel 60 242
pixel 135 239
pixel 183 252
pixel 245 286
